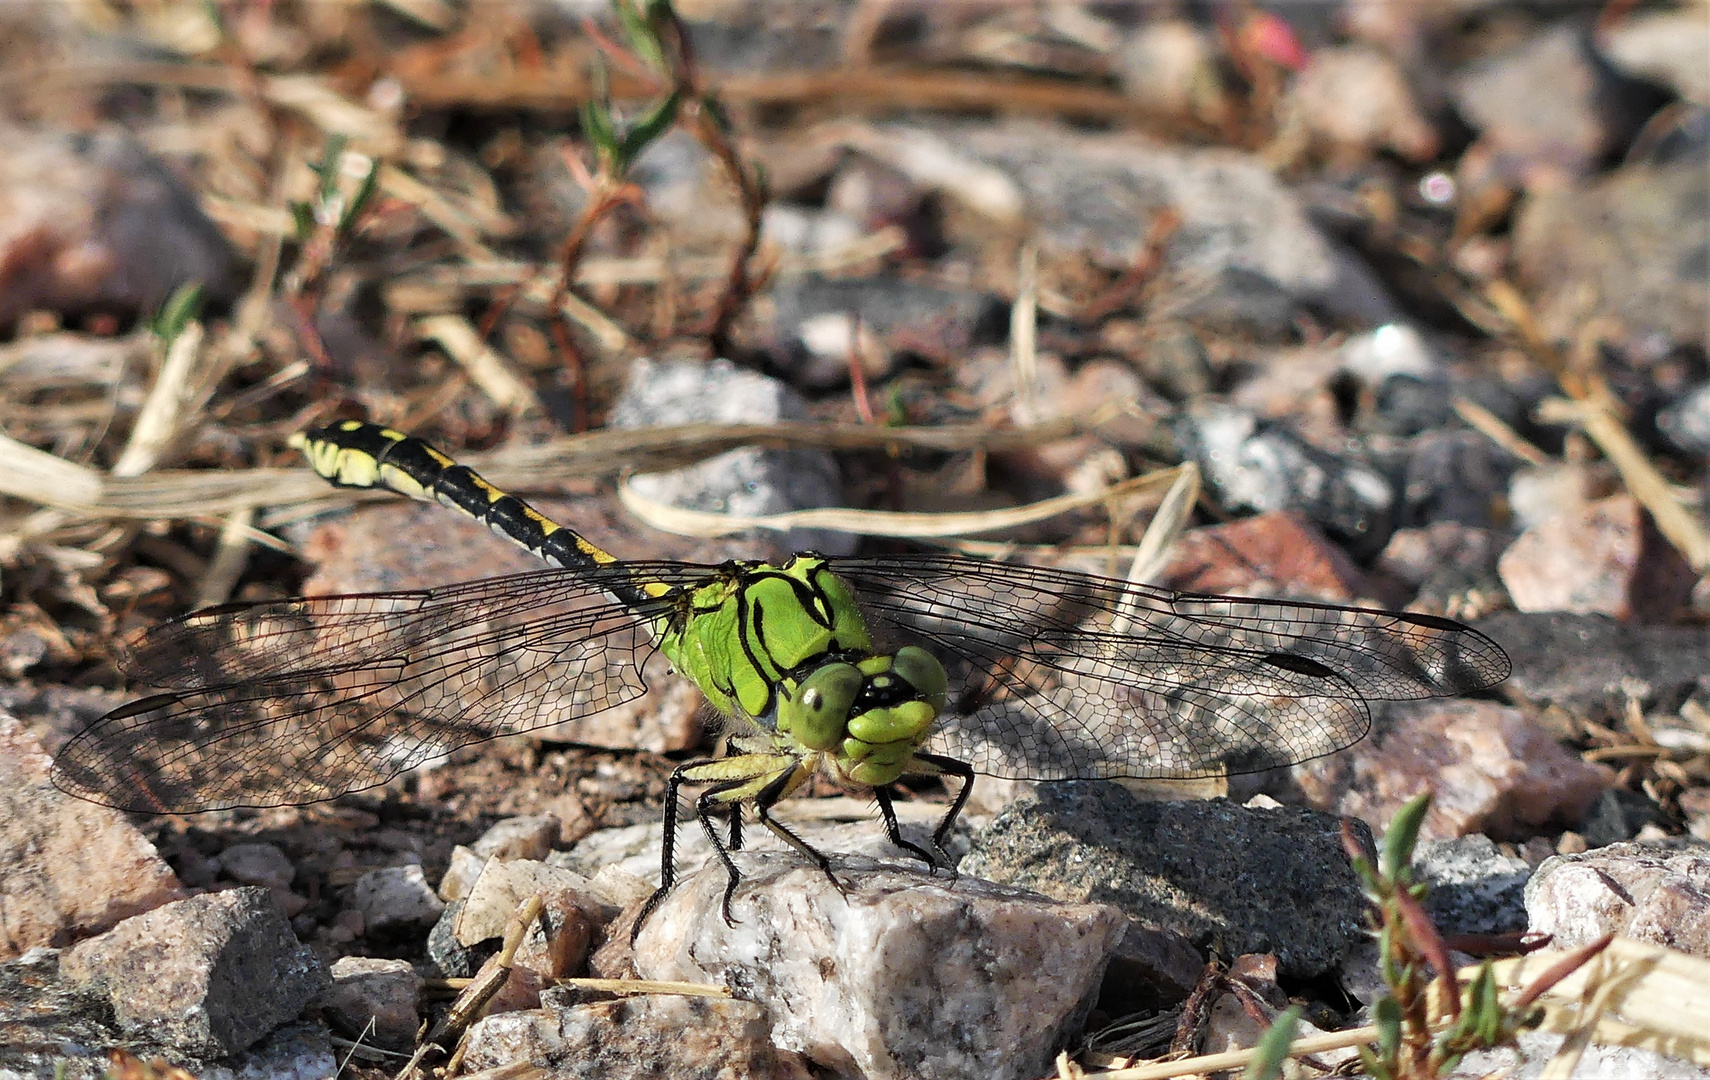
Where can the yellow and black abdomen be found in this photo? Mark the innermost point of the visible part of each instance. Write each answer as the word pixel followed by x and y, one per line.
pixel 351 453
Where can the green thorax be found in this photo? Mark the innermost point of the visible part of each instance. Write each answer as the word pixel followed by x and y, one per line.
pixel 788 648
pixel 741 634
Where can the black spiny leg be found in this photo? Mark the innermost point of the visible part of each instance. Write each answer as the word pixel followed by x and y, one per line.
pixel 763 803
pixel 949 766
pixel 705 805
pixel 668 860
pixel 888 813
pixel 736 826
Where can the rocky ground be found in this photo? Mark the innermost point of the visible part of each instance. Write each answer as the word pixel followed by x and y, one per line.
pixel 1421 287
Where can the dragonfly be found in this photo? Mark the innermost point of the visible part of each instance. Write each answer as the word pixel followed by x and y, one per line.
pixel 867 669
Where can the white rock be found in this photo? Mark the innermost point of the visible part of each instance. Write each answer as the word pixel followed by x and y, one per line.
pixel 395 897
pixel 529 837
pixel 903 975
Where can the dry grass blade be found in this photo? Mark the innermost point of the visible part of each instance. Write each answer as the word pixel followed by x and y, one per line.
pixel 1642 479
pixel 1633 994
pixel 879 522
pixel 648 986
pixel 1237 1059
pixel 41 477
pixel 487 369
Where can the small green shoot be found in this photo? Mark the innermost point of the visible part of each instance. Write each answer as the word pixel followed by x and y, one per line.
pixel 179 311
pixel 1272 1051
pixel 1421 1035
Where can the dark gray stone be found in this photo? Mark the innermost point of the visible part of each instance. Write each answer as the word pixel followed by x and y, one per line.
pixel 1588 664
pixel 1618 815
pixel 1686 423
pixel 1221 875
pixel 451 960
pixel 1256 466
pixel 1475 889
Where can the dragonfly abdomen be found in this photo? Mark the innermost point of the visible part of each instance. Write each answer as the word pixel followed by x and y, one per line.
pixel 351 453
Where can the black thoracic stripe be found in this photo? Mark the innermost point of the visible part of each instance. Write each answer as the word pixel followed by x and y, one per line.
pixel 441 480
pixel 750 618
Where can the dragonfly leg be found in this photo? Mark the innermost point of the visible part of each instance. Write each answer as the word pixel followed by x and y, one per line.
pixel 706 806
pixel 736 826
pixel 888 813
pixel 668 856
pixel 949 766
pixel 767 798
pixel 705 803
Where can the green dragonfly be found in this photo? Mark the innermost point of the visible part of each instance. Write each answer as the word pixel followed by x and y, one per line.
pixel 867 669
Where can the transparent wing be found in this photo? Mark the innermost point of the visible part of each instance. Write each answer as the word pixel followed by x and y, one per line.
pixel 296 701
pixel 1059 675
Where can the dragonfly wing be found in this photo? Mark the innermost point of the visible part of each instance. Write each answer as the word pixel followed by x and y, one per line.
pixel 296 701
pixel 1059 675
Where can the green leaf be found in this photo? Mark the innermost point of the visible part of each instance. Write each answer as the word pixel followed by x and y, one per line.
pixel 1386 1017
pixel 180 308
pixel 1272 1051
pixel 303 220
pixel 327 170
pixel 1402 837
pixel 640 26
pixel 648 128
pixel 597 126
pixel 360 199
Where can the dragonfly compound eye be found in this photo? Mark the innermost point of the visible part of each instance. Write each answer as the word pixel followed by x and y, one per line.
pixel 817 711
pixel 924 673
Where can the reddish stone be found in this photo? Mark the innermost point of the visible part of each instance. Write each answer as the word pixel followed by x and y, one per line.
pixel 1280 552
pixel 68 868
pixel 1599 558
pixel 1491 771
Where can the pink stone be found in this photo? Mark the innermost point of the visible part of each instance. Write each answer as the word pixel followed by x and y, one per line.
pixel 68 868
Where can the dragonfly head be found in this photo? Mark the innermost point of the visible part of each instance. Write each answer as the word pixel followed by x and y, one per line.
pixel 869 714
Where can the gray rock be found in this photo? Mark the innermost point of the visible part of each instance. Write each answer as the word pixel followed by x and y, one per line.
pixel 448 958
pixel 209 976
pixel 374 1000
pixel 1637 242
pixel 395 897
pixel 1452 476
pixel 897 974
pixel 1618 815
pixel 1236 879
pixel 1686 423
pixel 1589 664
pixel 1475 889
pixel 529 837
pixel 636 849
pixel 1590 110
pixel 636 1038
pixel 1245 255
pixel 138 230
pixel 749 481
pixel 1658 893
pixel 300 1051
pixel 49 1024
pixel 1266 467
pixel 812 332
pixel 258 864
